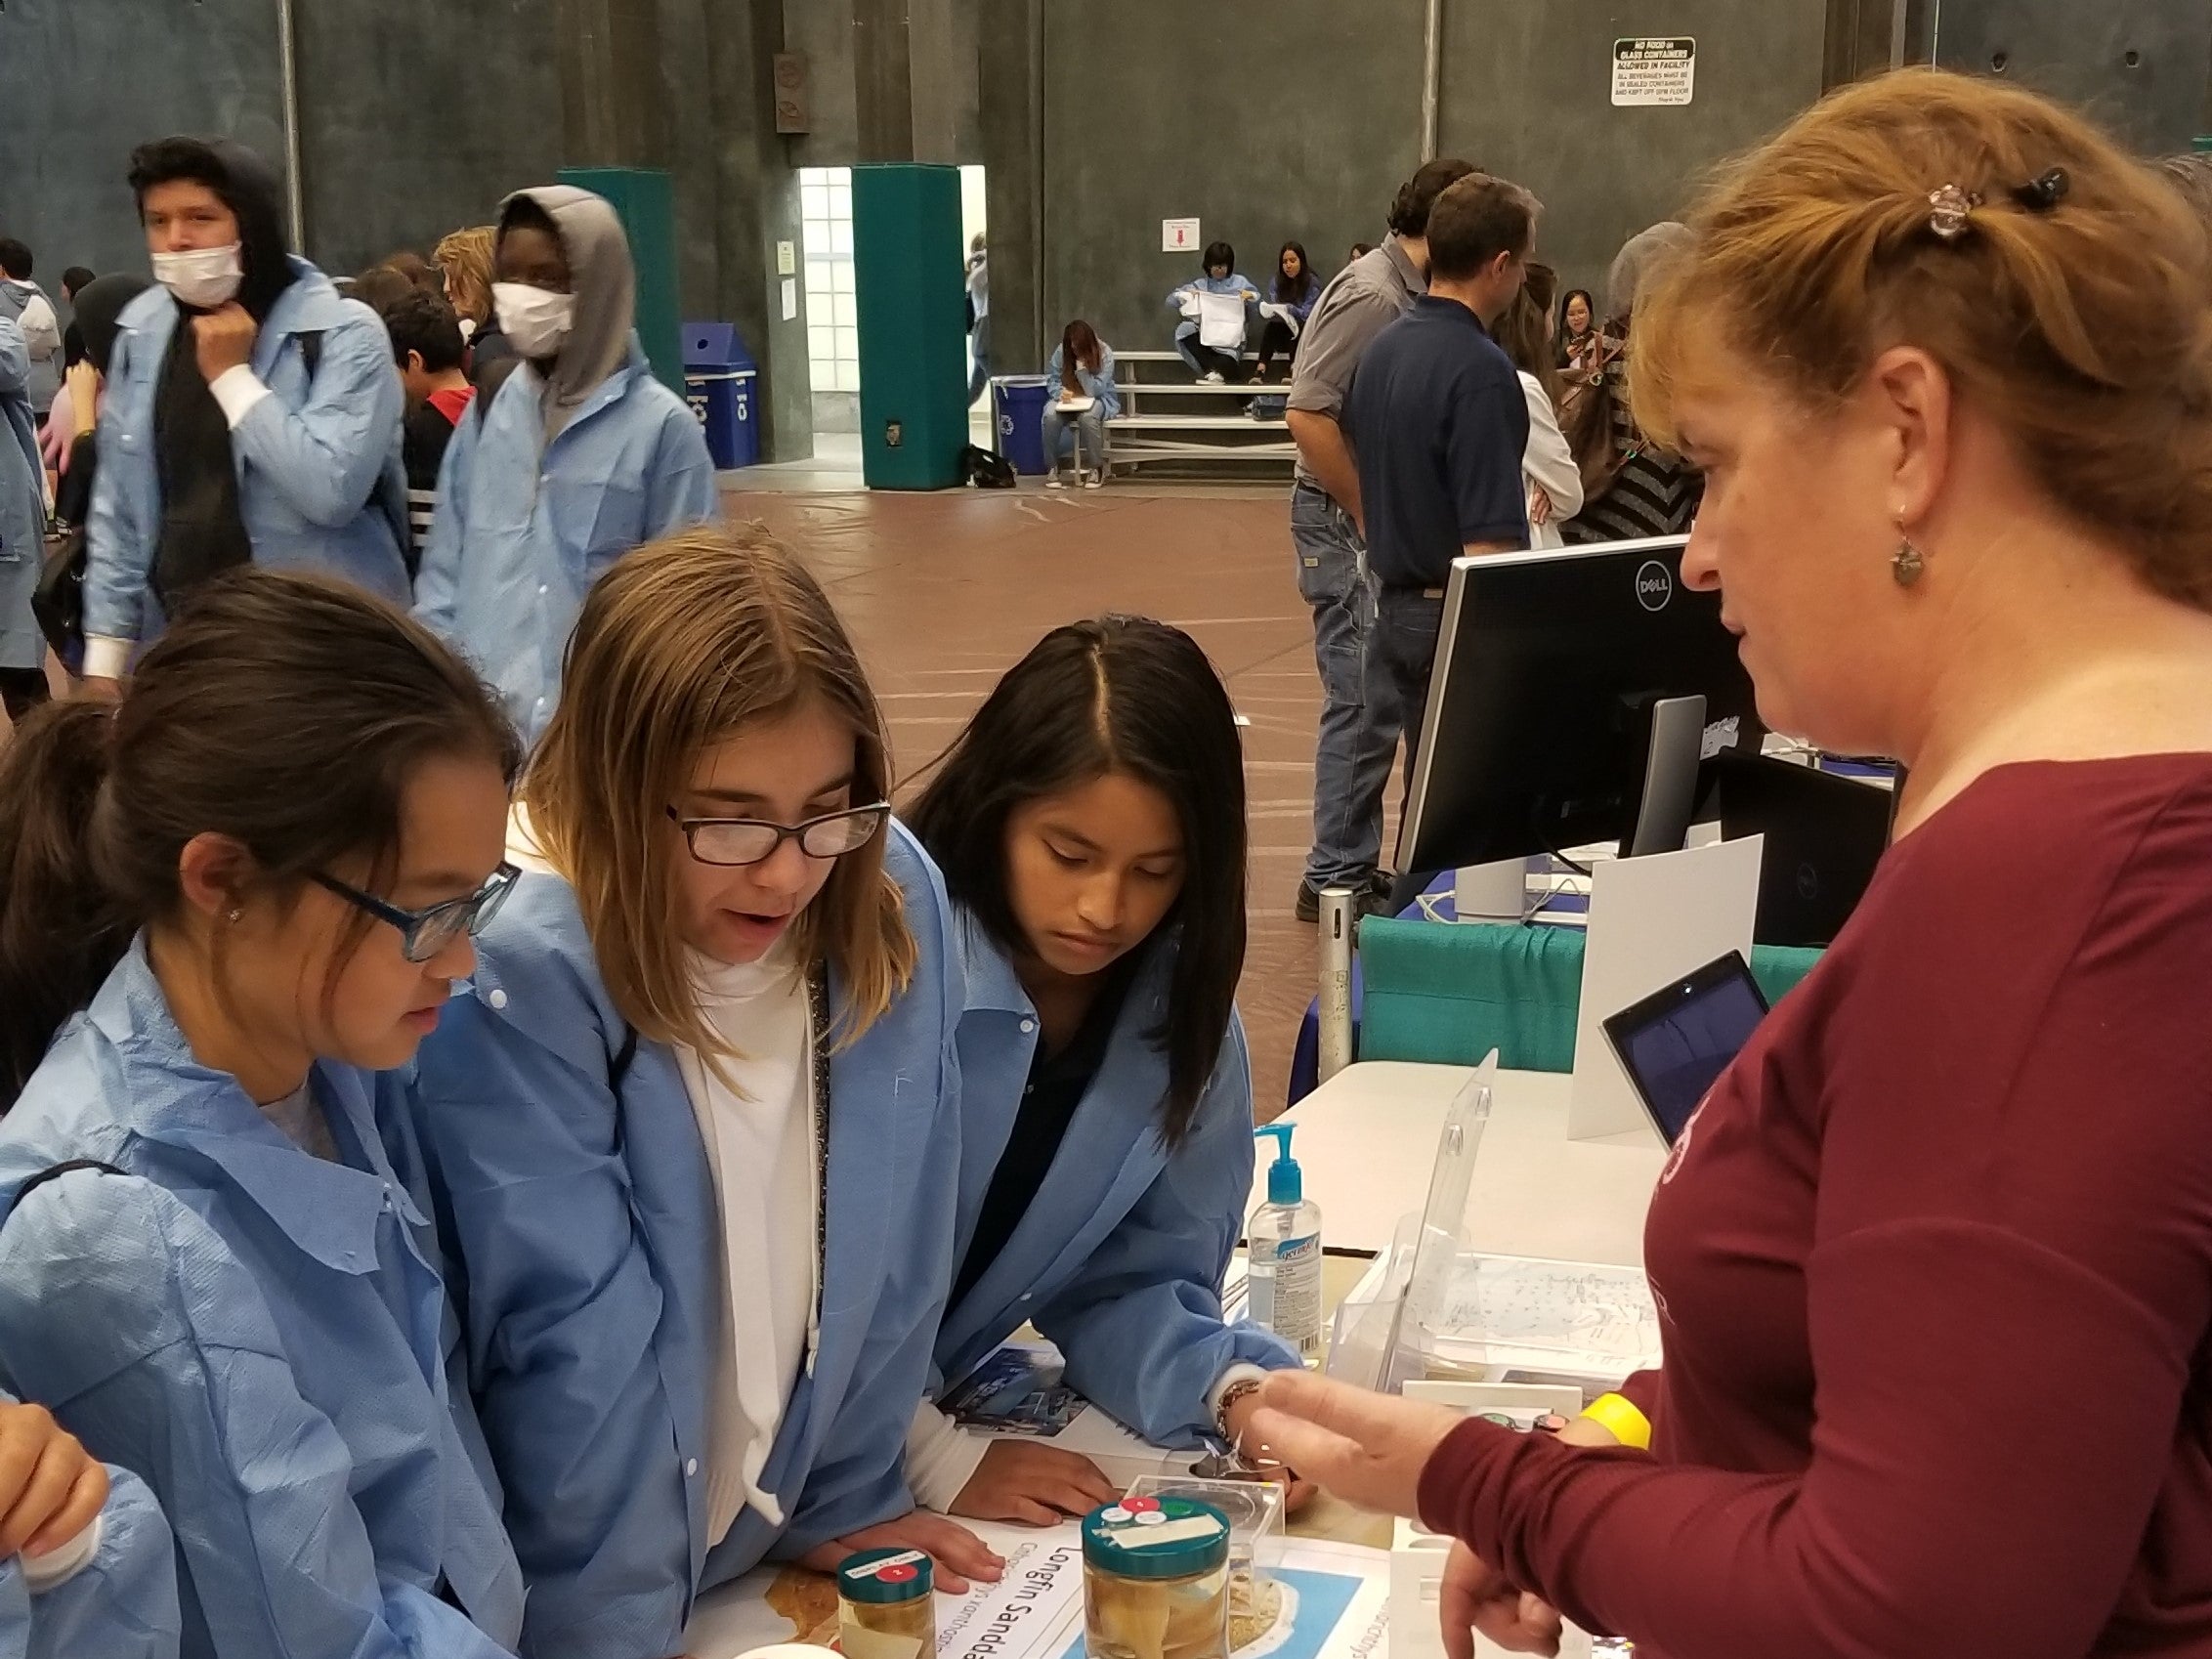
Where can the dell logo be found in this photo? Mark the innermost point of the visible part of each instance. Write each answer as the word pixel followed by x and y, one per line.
pixel 1654 585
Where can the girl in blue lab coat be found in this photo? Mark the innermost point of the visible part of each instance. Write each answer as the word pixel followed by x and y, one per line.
pixel 695 1131
pixel 246 892
pixel 1091 823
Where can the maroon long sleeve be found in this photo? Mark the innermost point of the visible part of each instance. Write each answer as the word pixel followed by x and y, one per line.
pixel 1934 1269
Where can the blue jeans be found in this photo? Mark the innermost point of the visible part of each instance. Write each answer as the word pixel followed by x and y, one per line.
pixel 980 344
pixel 1329 561
pixel 1401 650
pixel 1076 432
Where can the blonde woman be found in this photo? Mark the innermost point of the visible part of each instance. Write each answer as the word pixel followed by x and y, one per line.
pixel 465 258
pixel 696 1128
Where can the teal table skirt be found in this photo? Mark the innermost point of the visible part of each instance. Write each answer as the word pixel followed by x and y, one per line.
pixel 1447 995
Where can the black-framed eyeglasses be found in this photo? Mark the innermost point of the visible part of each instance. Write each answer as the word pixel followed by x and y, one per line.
pixel 736 841
pixel 425 933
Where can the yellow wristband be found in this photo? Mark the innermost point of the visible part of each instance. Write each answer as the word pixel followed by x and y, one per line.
pixel 1617 1415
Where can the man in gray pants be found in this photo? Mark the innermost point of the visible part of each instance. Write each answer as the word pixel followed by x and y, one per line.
pixel 1327 523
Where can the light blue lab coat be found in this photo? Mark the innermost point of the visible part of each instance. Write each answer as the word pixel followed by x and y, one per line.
pixel 591 1265
pixel 1120 1259
pixel 1229 284
pixel 261 1336
pixel 320 485
pixel 22 508
pixel 121 1605
pixel 524 527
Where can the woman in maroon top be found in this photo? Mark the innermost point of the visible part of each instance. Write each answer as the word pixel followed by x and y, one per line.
pixel 1934 1261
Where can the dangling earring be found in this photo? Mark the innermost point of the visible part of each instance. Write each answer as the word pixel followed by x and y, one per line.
pixel 1908 564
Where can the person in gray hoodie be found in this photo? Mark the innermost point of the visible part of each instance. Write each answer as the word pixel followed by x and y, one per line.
pixel 579 456
pixel 25 303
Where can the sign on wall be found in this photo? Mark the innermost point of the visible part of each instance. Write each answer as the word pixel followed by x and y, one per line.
pixel 1179 236
pixel 1654 73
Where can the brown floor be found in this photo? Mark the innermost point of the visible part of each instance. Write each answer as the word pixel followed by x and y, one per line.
pixel 944 592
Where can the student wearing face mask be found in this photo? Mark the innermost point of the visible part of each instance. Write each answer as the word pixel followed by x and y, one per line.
pixel 696 1128
pixel 233 905
pixel 579 456
pixel 252 414
pixel 1091 825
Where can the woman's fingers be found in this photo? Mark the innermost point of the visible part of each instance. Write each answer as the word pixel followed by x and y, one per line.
pixel 45 1495
pixel 85 1499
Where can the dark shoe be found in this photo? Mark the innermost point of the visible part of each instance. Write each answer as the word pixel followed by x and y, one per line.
pixel 1373 899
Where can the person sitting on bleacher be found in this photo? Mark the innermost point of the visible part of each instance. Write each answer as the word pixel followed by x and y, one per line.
pixel 1211 363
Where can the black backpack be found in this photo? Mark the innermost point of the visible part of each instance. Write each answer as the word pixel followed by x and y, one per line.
pixel 986 470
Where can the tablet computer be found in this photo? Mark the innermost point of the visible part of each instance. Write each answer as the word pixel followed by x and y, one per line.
pixel 1675 1043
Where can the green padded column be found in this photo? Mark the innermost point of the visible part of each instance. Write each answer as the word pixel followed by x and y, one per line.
pixel 910 281
pixel 645 203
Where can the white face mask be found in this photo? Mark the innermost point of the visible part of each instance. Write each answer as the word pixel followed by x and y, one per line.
pixel 203 278
pixel 536 323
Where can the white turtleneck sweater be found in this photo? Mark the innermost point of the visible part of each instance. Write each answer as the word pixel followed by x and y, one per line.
pixel 756 1118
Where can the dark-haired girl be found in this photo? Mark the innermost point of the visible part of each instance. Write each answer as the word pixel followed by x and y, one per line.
pixel 1091 825
pixel 231 903
pixel 1213 362
pixel 1295 292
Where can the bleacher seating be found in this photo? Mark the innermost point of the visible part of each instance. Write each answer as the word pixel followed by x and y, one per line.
pixel 1169 424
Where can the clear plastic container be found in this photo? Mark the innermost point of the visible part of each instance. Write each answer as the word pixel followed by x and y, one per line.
pixel 1255 1513
pixel 1156 1580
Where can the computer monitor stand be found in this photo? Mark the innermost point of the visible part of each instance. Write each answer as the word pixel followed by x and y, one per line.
pixel 1492 892
pixel 1674 747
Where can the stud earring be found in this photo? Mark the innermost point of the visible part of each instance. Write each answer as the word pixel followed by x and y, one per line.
pixel 238 916
pixel 1907 565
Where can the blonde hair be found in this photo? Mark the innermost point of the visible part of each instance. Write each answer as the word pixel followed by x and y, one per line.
pixel 684 643
pixel 465 256
pixel 2074 316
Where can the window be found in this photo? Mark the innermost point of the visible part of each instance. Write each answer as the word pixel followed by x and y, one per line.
pixel 832 320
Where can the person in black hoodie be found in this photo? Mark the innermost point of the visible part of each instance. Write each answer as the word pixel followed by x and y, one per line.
pixel 252 414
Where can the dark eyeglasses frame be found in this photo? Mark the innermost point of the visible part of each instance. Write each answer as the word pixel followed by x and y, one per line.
pixel 878 813
pixel 481 906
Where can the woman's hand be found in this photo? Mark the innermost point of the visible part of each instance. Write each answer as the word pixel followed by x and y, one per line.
pixel 1367 1448
pixel 1253 1449
pixel 51 1488
pixel 1033 1485
pixel 1540 508
pixel 960 1554
pixel 1477 1597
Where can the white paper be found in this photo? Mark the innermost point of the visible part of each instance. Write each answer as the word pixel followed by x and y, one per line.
pixel 1654 73
pixel 1190 304
pixel 1179 236
pixel 1221 321
pixel 1281 314
pixel 791 298
pixel 1327 1602
pixel 1651 920
pixel 787 259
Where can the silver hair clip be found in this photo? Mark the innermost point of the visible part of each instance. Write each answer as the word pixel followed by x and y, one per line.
pixel 1952 211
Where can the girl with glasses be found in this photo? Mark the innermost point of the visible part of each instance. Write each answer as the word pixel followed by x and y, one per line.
pixel 1091 823
pixel 230 904
pixel 696 1126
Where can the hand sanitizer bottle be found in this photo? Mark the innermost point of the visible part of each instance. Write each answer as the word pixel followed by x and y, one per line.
pixel 1284 1238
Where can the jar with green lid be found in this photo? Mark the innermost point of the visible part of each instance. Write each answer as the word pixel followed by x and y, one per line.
pixel 886 1605
pixel 1156 1580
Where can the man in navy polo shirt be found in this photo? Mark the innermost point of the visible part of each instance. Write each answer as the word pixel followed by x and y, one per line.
pixel 1439 424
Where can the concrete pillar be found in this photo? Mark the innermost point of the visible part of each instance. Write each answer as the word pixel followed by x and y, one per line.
pixel 1011 126
pixel 612 106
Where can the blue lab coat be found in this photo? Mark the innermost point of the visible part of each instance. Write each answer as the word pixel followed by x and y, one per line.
pixel 524 527
pixel 22 508
pixel 1229 284
pixel 121 1605
pixel 320 485
pixel 261 1336
pixel 1120 1259
pixel 584 1216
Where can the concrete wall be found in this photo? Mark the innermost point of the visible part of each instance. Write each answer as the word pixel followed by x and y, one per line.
pixel 2139 64
pixel 1527 92
pixel 1295 121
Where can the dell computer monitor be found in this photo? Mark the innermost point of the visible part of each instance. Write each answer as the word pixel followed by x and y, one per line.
pixel 1539 730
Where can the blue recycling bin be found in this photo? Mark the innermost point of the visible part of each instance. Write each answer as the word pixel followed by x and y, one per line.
pixel 1017 414
pixel 718 382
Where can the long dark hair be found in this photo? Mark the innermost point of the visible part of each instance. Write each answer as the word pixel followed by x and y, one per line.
pixel 286 711
pixel 1524 331
pixel 1080 348
pixel 1127 695
pixel 1282 293
pixel 1566 303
